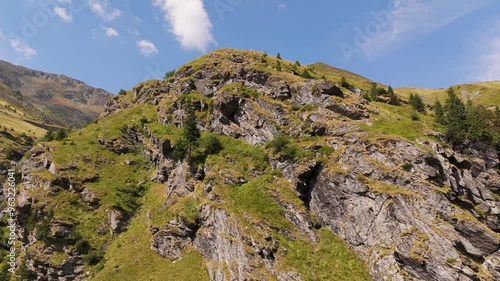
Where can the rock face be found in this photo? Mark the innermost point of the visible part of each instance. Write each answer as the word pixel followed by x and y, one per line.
pixel 411 210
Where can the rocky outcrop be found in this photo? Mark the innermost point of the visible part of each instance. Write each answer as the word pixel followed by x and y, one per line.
pixel 412 210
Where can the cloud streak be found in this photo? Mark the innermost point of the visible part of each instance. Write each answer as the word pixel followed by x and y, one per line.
pixel 416 19
pixel 147 48
pixel 189 22
pixel 110 32
pixel 22 48
pixel 103 9
pixel 488 59
pixel 63 14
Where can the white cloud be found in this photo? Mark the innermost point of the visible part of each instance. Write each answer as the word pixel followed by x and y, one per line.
pixel 189 22
pixel 133 31
pixel 103 9
pixel 22 48
pixel 63 14
pixel 64 1
pixel 282 6
pixel 147 48
pixel 110 32
pixel 411 20
pixel 488 61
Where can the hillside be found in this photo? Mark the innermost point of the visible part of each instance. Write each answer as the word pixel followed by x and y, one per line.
pixel 50 98
pixel 289 179
pixel 485 93
pixel 32 102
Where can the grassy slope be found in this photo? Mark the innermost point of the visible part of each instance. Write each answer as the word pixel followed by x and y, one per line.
pixel 485 93
pixel 129 256
pixel 336 74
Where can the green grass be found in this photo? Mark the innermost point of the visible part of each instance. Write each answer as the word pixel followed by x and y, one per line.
pixel 485 93
pixel 254 198
pixel 129 257
pixel 397 121
pixel 330 259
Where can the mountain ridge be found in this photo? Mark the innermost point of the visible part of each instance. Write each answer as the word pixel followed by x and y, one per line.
pixel 291 178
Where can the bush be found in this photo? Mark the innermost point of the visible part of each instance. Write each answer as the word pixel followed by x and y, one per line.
pixel 374 92
pixel 344 83
pixel 417 103
pixel 306 74
pixel 49 136
pixel 61 134
pixel 438 112
pixel 407 167
pixel 278 66
pixel 290 152
pixel 366 96
pixel 10 154
pixel 414 116
pixel 297 63
pixel 122 92
pixel 211 144
pixel 278 143
pixel 169 74
pixel 93 257
pixel 393 98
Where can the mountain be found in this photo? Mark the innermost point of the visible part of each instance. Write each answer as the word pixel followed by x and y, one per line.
pixel 239 168
pixel 32 102
pixel 50 98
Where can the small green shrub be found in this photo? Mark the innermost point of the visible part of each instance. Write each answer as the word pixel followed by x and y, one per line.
pixel 93 257
pixel 169 74
pixel 407 166
pixel 414 116
pixel 326 150
pixel 211 143
pixel 278 143
pixel 306 74
pixel 344 83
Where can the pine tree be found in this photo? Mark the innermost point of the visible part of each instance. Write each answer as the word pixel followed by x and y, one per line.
pixel 190 133
pixel 393 98
pixel 278 66
pixel 455 117
pixel 374 93
pixel 438 112
pixel 306 74
pixel 478 125
pixel 278 56
pixel 417 103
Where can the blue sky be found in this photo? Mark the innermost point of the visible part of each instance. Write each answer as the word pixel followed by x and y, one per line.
pixel 115 44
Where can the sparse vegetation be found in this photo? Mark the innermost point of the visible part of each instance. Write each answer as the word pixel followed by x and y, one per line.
pixel 417 103
pixel 306 74
pixel 278 66
pixel 344 83
pixel 169 74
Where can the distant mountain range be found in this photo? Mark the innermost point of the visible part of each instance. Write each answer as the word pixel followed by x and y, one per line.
pixel 32 102
pixel 50 98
